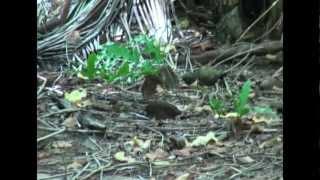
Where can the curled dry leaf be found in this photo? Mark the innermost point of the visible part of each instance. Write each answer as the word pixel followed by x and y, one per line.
pixel 230 115
pixel 170 176
pixel 246 159
pixel 42 155
pixel 76 95
pixel 185 152
pixel 137 145
pixel 218 151
pixel 84 103
pixel 158 154
pixel 261 120
pixel 186 176
pixel 62 144
pixel 204 140
pixel 204 108
pixel 77 164
pixel 140 143
pixel 270 142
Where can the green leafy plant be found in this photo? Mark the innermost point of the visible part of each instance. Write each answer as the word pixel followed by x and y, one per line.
pixel 216 105
pixel 127 61
pixel 241 103
pixel 90 71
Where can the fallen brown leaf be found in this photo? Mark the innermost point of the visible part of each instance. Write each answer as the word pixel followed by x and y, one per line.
pixel 170 176
pixel 77 164
pixel 186 176
pixel 42 155
pixel 158 154
pixel 70 122
pixel 270 142
pixel 185 152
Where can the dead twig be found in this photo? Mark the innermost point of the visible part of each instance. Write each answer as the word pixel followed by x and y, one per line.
pixel 277 72
pixel 108 167
pixel 237 64
pixel 86 131
pixel 257 20
pixel 158 132
pixel 42 85
pixel 81 171
pixel 60 112
pixel 56 176
pixel 227 87
pixel 51 135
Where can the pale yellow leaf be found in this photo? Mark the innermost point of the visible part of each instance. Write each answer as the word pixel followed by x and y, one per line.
pixel 62 144
pixel 75 165
pixel 204 108
pixel 257 120
pixel 230 115
pixel 161 163
pixel 120 156
pixel 84 103
pixel 81 76
pixel 204 140
pixel 183 177
pixel 76 95
pixel 271 142
pixel 140 143
pixel 246 159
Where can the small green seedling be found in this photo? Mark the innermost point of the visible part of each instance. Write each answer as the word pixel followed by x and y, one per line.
pixel 90 71
pixel 241 103
pixel 216 105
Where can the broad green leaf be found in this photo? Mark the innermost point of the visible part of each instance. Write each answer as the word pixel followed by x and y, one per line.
pixel 241 103
pixel 148 68
pixel 91 65
pixel 123 70
pixel 134 55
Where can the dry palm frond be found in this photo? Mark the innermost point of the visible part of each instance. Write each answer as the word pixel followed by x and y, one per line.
pixel 93 22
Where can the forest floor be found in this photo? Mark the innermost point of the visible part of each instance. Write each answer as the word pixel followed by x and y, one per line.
pixel 109 132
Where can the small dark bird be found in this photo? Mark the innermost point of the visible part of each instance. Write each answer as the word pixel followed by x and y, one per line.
pixel 162 110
